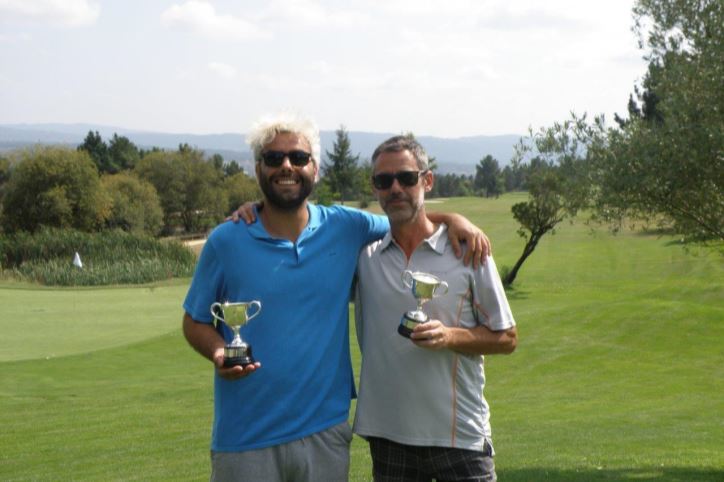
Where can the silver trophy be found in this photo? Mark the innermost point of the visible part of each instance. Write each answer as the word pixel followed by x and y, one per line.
pixel 424 288
pixel 236 315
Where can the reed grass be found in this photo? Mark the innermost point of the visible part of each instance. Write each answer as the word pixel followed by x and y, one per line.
pixel 108 258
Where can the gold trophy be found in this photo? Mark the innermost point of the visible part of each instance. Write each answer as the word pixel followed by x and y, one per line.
pixel 424 288
pixel 236 315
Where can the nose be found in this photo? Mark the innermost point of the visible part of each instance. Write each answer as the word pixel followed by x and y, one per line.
pixel 396 186
pixel 286 163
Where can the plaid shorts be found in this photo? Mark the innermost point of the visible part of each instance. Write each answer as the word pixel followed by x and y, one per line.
pixel 393 462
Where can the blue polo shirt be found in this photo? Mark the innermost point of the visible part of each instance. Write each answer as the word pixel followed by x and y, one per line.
pixel 301 335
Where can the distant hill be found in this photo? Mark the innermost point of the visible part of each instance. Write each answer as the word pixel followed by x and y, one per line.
pixel 458 155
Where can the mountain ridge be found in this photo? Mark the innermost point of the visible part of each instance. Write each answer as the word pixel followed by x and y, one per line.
pixel 453 155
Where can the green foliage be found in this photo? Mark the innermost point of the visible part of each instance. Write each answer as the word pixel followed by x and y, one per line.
pixel 665 164
pixel 364 182
pixel 135 204
pixel 109 257
pixel 189 186
pixel 4 170
pixel 232 168
pixel 4 176
pixel 556 181
pixel 217 160
pixel 323 195
pixel 514 176
pixel 239 189
pixel 53 186
pixel 340 172
pixel 122 155
pixel 488 180
pixel 451 185
pixel 97 149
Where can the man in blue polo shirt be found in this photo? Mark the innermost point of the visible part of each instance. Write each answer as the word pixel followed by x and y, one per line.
pixel 288 422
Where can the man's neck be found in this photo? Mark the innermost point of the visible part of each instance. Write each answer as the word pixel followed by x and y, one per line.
pixel 409 235
pixel 283 223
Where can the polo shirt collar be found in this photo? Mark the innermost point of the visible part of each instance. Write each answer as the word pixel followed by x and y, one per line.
pixel 256 229
pixel 437 241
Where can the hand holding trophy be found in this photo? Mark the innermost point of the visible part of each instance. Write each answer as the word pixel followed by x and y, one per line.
pixel 236 315
pixel 424 288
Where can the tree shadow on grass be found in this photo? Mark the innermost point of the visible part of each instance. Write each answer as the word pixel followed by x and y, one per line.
pixel 514 293
pixel 654 474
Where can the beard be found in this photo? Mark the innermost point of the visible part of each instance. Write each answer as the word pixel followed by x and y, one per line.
pixel 400 213
pixel 283 200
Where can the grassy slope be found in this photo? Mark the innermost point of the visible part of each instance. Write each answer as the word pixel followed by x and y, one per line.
pixel 618 375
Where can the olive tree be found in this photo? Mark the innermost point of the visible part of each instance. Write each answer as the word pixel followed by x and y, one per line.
pixel 135 206
pixel 54 186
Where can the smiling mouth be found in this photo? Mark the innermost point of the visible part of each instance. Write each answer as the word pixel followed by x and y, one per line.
pixel 286 182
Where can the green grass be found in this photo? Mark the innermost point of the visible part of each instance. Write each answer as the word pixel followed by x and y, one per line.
pixel 618 376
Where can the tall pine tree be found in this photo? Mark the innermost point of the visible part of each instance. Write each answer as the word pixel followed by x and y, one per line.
pixel 340 171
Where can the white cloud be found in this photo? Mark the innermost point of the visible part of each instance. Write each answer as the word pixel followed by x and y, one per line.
pixel 201 18
pixel 69 13
pixel 313 14
pixel 222 70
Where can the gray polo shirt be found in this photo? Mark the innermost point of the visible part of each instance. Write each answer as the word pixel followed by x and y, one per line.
pixel 413 395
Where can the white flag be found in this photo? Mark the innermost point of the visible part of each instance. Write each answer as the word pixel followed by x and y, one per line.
pixel 76 260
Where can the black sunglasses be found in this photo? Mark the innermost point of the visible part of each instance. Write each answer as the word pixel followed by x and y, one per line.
pixel 405 178
pixel 276 158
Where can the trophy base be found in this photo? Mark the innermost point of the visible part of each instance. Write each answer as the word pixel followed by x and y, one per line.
pixel 239 361
pixel 408 323
pixel 238 356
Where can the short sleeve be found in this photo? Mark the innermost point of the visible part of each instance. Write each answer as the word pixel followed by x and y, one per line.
pixel 206 285
pixel 489 300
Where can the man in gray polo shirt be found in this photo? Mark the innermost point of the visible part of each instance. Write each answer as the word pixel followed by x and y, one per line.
pixel 421 403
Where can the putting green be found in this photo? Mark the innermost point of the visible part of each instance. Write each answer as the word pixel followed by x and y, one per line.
pixel 39 322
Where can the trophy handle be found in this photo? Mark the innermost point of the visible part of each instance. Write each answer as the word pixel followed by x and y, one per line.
pixel 439 287
pixel 407 278
pixel 258 309
pixel 214 306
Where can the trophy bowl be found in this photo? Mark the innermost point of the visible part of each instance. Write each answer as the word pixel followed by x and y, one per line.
pixel 424 287
pixel 235 315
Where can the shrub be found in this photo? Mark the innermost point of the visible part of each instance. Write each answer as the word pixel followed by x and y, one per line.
pixel 54 186
pixel 135 204
pixel 109 257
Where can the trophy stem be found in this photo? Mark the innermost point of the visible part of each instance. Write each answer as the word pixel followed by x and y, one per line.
pixel 237 337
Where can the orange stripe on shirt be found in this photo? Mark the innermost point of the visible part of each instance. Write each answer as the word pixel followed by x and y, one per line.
pixel 455 375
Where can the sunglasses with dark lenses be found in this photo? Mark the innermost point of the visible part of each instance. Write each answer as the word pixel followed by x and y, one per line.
pixel 405 178
pixel 276 158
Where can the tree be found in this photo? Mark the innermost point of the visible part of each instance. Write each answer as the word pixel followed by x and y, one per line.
pixel 239 189
pixel 217 160
pixel 97 149
pixel 188 186
pixel 122 154
pixel 232 168
pixel 539 215
pixel 340 170
pixel 452 185
pixel 364 182
pixel 665 163
pixel 135 206
pixel 514 177
pixel 488 178
pixel 4 172
pixel 556 182
pixel 53 186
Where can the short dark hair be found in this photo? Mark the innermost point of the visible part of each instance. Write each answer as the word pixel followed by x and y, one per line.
pixel 403 143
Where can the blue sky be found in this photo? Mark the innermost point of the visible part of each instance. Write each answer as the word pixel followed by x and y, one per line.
pixel 447 68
